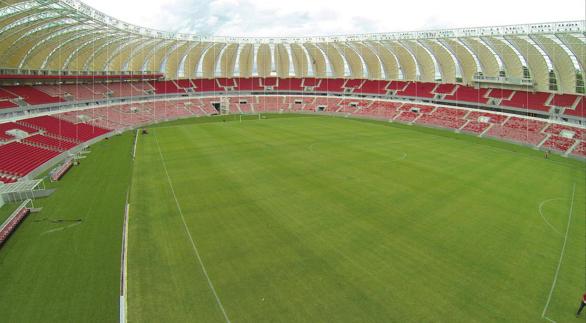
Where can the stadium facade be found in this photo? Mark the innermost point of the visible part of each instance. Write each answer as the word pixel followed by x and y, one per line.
pixel 67 35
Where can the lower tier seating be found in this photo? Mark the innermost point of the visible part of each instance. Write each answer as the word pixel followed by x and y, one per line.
pixel 580 150
pixel 63 129
pixel 558 143
pixel 19 159
pixel 49 143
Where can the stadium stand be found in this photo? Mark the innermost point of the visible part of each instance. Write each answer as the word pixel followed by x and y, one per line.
pixel 579 110
pixel 6 104
pixel 31 95
pixel 418 89
pixel 63 129
pixel 122 90
pixel 564 100
pixel 18 159
pixel 49 143
pixel 528 100
pixel 4 127
pixel 166 87
pixel 468 94
pixel 500 94
pixel 290 85
pixel 558 143
pixel 445 88
pixel 525 131
pixel 580 150
pixel 373 87
pixel 331 85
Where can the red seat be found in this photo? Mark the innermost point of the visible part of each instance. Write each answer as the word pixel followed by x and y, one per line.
pixel 468 94
pixel 528 100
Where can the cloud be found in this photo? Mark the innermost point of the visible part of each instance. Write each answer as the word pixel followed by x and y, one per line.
pixel 273 18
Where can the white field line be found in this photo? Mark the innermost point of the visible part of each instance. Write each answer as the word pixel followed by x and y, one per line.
pixel 543 217
pixel 557 271
pixel 135 144
pixel 61 228
pixel 124 266
pixel 193 245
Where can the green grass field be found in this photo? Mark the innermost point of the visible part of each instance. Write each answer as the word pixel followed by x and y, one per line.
pixel 69 271
pixel 319 219
pixel 303 219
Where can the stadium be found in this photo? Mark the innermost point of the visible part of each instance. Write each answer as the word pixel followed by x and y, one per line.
pixel 160 176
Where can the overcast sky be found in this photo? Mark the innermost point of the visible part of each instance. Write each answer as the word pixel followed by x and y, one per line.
pixel 289 18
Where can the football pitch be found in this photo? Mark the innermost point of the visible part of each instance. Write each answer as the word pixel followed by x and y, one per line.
pixel 322 219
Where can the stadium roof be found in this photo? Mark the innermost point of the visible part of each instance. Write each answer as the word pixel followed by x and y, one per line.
pixel 67 35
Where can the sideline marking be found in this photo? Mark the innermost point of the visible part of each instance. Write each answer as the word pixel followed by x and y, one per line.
pixel 203 268
pixel 543 217
pixel 61 228
pixel 555 277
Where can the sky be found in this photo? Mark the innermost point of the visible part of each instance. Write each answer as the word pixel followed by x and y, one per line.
pixel 294 18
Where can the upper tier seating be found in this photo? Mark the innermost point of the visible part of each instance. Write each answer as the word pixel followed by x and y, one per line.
pixel 331 85
pixel 445 88
pixel 468 94
pixel 166 87
pixel 563 100
pixel 121 90
pixel 528 100
pixel 226 82
pixel 398 85
pixel 79 92
pixel 249 84
pixel 31 95
pixel 500 93
pixel 269 81
pixel 184 83
pixel 207 85
pixel 353 83
pixel 373 87
pixel 418 89
pixel 142 86
pixel 290 85
pixel 579 110
pixel 311 82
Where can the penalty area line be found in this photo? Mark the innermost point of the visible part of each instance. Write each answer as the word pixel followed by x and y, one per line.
pixel 193 245
pixel 557 271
